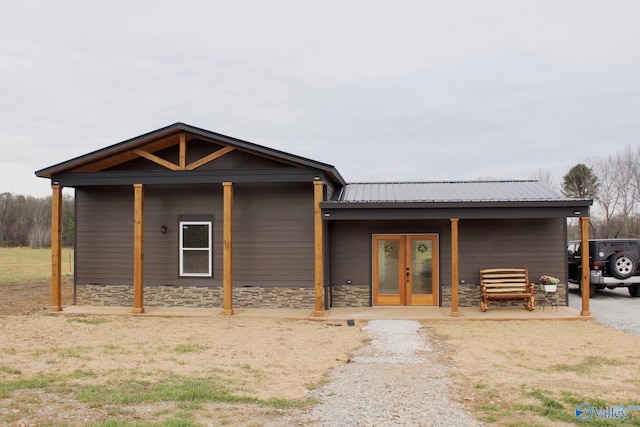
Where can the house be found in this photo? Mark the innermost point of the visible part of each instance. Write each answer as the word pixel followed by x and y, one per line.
pixel 182 216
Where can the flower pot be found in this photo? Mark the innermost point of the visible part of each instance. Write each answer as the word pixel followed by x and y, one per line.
pixel 549 287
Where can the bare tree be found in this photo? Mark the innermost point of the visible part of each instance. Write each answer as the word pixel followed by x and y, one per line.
pixel 609 197
pixel 6 209
pixel 40 222
pixel 618 196
pixel 545 176
pixel 627 162
pixel 26 220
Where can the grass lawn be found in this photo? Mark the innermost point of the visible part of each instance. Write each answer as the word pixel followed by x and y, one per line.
pixel 19 265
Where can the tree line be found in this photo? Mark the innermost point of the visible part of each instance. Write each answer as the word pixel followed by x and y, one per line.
pixel 26 220
pixel 613 182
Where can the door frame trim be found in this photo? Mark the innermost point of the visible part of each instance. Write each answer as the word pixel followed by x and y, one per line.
pixel 405 298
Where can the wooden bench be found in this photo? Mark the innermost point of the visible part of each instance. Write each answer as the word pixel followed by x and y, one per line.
pixel 499 284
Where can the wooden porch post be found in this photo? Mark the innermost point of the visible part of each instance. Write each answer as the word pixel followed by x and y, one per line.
pixel 318 197
pixel 454 267
pixel 227 256
pixel 586 269
pixel 56 248
pixel 138 248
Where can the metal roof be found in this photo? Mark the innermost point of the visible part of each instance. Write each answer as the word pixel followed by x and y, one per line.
pixel 456 191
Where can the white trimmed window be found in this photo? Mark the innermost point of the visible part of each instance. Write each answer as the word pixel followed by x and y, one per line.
pixel 195 248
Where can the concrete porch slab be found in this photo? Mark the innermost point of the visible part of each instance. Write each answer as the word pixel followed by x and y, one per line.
pixel 343 314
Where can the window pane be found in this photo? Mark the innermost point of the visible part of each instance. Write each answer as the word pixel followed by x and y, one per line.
pixel 388 266
pixel 421 266
pixel 195 236
pixel 195 262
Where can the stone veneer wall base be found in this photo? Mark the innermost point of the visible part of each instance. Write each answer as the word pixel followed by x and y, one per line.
pixel 196 296
pixel 349 296
pixel 469 296
pixel 266 297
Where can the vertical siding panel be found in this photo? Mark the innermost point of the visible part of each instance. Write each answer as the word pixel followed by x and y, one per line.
pixel 350 252
pixel 537 244
pixel 104 247
pixel 273 233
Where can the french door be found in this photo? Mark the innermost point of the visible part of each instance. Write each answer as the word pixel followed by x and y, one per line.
pixel 405 269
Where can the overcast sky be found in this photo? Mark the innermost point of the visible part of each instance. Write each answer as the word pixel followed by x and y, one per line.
pixel 384 90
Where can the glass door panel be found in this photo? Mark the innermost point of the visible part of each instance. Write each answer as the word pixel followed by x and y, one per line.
pixel 421 267
pixel 388 268
pixel 423 261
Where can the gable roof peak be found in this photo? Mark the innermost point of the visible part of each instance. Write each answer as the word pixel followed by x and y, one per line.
pixel 170 131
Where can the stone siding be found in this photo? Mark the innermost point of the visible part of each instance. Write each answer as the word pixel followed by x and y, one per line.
pixel 469 296
pixel 104 295
pixel 350 296
pixel 196 296
pixel 267 297
pixel 259 297
pixel 182 296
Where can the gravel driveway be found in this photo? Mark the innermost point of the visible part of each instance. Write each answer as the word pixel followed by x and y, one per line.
pixel 614 308
pixel 391 381
pixel 382 386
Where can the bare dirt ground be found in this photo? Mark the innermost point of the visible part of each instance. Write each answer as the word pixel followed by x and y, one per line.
pixel 537 372
pixel 64 370
pixel 31 297
pixel 268 363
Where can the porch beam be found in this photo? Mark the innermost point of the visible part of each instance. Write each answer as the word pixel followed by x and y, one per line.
pixel 200 176
pixel 454 267
pixel 227 251
pixel 138 248
pixel 56 248
pixel 586 269
pixel 318 197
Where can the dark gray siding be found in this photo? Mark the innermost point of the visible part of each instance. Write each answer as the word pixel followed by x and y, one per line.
pixel 239 159
pixel 164 206
pixel 104 230
pixel 273 234
pixel 537 244
pixel 350 252
pixel 351 246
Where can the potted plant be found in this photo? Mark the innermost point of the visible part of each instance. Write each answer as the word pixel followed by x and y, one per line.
pixel 549 283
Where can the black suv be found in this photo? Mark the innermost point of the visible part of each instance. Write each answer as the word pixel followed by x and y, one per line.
pixel 614 263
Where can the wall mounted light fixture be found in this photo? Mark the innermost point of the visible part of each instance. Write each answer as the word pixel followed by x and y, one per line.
pixel 163 229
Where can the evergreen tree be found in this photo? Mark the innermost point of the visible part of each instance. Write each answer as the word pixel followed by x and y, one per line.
pixel 580 182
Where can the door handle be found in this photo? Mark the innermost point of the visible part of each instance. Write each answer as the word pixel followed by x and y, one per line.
pixel 408 274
